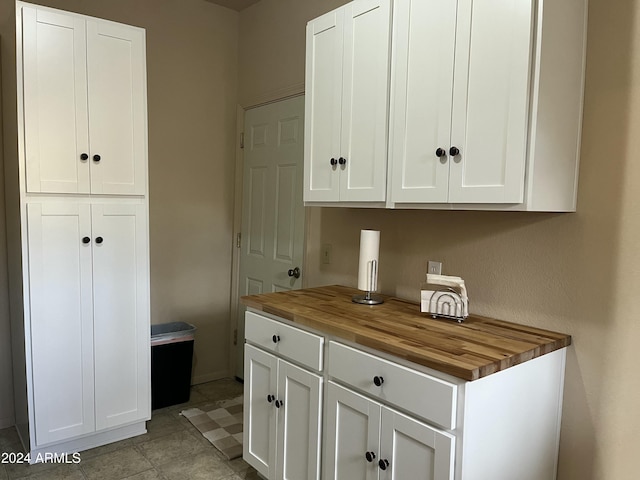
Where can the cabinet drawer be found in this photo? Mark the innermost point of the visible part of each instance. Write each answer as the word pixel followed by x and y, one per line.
pixel 285 340
pixel 418 393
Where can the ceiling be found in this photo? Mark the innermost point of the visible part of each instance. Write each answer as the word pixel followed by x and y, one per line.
pixel 235 4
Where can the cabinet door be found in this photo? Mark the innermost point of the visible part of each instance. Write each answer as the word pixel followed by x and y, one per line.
pixel 299 420
pixel 260 388
pixel 422 76
pixel 365 96
pixel 55 102
pixel 414 450
pixel 117 107
pixel 121 314
pixel 323 103
pixel 61 320
pixel 353 429
pixel 490 101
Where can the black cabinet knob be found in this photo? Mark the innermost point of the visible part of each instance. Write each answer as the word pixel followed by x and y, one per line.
pixel 96 158
pixel 99 240
pixel 383 464
pixel 342 161
pixel 84 156
pixel 333 161
pixel 453 151
pixel 378 381
pixel 86 239
pixel 275 338
pixel 279 403
pixel 441 152
pixel 270 398
pixel 370 456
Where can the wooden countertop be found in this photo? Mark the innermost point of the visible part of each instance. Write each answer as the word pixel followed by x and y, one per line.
pixel 470 350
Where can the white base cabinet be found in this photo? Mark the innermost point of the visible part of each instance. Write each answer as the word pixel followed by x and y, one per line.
pixel 386 418
pixel 282 417
pixel 88 267
pixel 395 445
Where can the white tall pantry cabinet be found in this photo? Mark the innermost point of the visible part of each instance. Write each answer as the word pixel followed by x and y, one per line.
pixel 78 226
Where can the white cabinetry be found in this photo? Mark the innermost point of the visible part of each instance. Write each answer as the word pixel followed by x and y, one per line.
pixel 386 418
pixel 80 296
pixel 347 85
pixel 84 104
pixel 485 106
pixel 480 112
pixel 88 269
pixel 282 414
pixel 367 440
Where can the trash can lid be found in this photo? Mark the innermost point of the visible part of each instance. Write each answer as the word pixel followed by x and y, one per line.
pixel 175 331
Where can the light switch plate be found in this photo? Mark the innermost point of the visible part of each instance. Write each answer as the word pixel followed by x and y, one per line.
pixel 326 253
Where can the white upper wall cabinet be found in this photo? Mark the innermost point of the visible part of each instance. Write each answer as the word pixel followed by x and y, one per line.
pixel 347 85
pixel 485 108
pixel 84 105
pixel 460 138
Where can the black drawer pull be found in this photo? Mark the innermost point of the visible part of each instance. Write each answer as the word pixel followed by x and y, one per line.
pixel 275 338
pixel 378 381
pixel 383 464
pixel 370 456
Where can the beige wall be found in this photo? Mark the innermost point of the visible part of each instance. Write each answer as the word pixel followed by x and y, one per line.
pixel 6 378
pixel 576 273
pixel 272 43
pixel 192 51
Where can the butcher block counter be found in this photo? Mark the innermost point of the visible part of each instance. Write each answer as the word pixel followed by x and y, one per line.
pixel 470 350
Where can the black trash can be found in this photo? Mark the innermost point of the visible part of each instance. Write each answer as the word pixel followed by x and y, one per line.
pixel 171 361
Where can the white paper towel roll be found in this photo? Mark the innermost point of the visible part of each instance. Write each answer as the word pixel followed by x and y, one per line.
pixel 367 269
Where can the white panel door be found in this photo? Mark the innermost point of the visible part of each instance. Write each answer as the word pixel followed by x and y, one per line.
pixel 367 32
pixel 352 445
pixel 55 102
pixel 299 423
pixel 259 431
pixel 412 449
pixel 490 101
pixel 121 314
pixel 323 107
pixel 117 107
pixel 272 206
pixel 422 78
pixel 61 320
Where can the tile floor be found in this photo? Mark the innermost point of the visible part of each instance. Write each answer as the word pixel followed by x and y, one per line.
pixel 172 449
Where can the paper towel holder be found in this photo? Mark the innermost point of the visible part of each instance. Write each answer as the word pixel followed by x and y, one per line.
pixel 369 298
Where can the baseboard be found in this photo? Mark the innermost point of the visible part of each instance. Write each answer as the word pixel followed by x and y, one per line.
pixel 7 422
pixel 85 443
pixel 209 377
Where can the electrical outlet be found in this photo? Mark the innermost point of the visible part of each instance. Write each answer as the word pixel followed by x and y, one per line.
pixel 434 267
pixel 326 253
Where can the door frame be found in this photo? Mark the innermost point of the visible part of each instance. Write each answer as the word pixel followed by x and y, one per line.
pixel 234 342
